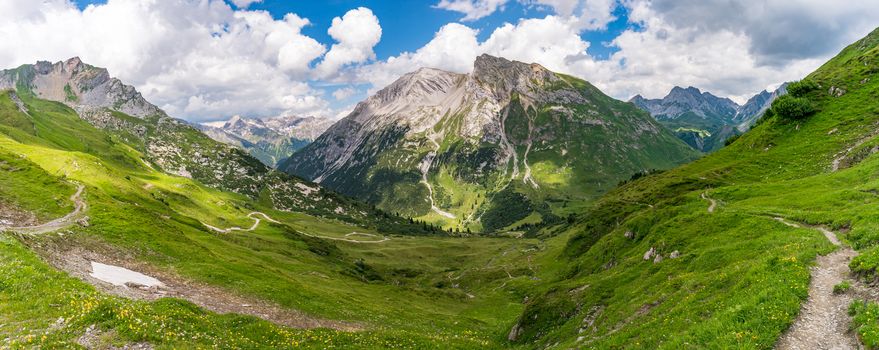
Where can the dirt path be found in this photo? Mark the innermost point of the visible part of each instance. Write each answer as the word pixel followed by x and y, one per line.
pixel 79 262
pixel 823 322
pixel 713 203
pixel 257 221
pixel 79 207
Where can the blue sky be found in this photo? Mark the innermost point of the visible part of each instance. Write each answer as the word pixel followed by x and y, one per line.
pixel 408 25
pixel 268 61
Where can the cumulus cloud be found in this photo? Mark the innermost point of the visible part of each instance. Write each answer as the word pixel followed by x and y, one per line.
pixel 197 60
pixel 244 3
pixel 780 31
pixel 452 48
pixel 472 9
pixel 357 32
pixel 343 93
pixel 668 43
pixel 587 14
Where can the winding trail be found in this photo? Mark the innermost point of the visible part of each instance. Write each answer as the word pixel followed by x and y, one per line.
pixel 713 203
pixel 252 215
pixel 79 207
pixel 256 222
pixel 823 322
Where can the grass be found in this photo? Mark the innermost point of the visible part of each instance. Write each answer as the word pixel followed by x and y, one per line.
pixel 410 292
pixel 741 276
pixel 842 287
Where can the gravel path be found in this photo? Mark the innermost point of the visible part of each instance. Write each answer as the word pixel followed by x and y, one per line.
pixel 823 322
pixel 79 207
pixel 256 222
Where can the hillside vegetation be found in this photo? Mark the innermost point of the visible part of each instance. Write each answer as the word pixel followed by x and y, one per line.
pixel 651 266
pixel 394 290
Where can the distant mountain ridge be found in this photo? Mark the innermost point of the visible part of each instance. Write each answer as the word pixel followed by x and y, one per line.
pixel 505 146
pixel 702 119
pixel 271 140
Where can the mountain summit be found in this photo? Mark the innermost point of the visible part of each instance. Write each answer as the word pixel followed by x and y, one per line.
pixel 476 151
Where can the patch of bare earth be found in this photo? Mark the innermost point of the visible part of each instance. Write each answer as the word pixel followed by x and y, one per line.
pixel 11 216
pixel 76 260
pixel 823 322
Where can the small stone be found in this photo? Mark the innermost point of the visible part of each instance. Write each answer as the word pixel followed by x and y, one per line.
pixel 674 255
pixel 650 253
pixel 629 234
pixel 84 221
pixel 657 259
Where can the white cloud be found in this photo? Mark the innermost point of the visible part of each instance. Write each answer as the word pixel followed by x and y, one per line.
pixel 243 4
pixel 472 9
pixel 344 93
pixel 453 48
pixel 780 31
pixel 588 14
pixel 661 51
pixel 197 60
pixel 357 32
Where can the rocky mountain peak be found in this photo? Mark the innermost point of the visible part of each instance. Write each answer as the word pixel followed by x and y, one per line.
pixel 504 75
pixel 416 86
pixel 78 85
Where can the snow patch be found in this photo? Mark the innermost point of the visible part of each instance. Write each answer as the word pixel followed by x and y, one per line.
pixel 119 276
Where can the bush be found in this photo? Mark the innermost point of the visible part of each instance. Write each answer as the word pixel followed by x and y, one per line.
pixel 731 139
pixel 789 107
pixel 801 88
pixel 842 287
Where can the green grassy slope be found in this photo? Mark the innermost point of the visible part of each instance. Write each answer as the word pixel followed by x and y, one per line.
pixel 740 276
pixel 411 292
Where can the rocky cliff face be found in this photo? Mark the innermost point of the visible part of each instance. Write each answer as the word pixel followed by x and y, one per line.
pixel 270 140
pixel 756 106
pixel 78 85
pixel 703 120
pixel 456 148
pixel 680 101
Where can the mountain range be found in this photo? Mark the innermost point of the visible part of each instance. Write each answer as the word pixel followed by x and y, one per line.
pixel 170 145
pixel 271 140
pixel 703 120
pixel 508 145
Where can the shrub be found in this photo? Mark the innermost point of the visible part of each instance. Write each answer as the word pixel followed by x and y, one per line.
pixel 789 107
pixel 801 88
pixel 842 287
pixel 731 139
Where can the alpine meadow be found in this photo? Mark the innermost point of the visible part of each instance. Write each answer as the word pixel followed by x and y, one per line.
pixel 439 174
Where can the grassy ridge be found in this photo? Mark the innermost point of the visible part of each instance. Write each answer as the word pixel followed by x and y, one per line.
pixel 740 276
